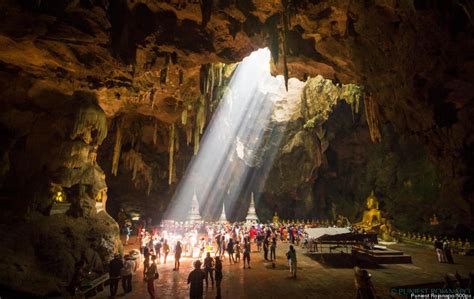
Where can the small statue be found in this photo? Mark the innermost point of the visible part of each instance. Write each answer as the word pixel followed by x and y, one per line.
pixel 434 220
pixel 466 247
pixel 423 238
pixel 275 218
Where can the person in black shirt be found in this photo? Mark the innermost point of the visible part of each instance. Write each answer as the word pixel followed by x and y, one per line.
pixel 196 278
pixel 115 267
pixel 208 269
pixel 218 277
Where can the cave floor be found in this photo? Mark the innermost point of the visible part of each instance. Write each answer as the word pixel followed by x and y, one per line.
pixel 315 280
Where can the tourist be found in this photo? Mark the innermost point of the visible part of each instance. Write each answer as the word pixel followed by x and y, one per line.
pixel 151 276
pixel 208 269
pixel 291 255
pixel 237 250
pixel 230 251
pixel 447 251
pixel 259 241
pixel 266 244
pixel 196 278
pixel 202 247
pixel 158 249
pixel 218 245
pixel 363 284
pixel 146 261
pixel 115 268
pixel 127 271
pixel 77 278
pixel 246 253
pixel 273 248
pixel 218 277
pixel 439 250
pixel 177 255
pixel 166 250
pixel 128 231
pixel 223 245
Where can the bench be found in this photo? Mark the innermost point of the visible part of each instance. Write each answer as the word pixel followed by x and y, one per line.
pixel 91 287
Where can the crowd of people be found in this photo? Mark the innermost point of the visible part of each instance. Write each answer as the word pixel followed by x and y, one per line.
pixel 210 244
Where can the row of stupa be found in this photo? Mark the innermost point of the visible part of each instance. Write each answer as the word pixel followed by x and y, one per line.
pixel 194 216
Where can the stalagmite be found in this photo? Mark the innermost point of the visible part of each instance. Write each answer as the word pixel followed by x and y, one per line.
pixel 372 120
pixel 117 148
pixel 171 154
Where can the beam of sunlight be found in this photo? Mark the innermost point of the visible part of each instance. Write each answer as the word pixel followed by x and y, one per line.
pixel 238 146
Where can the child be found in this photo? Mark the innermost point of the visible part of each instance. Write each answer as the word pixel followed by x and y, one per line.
pixel 237 250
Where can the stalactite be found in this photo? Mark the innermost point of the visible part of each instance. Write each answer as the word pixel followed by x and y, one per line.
pixel 176 139
pixel 90 118
pixel 117 148
pixel 221 69
pixel 155 132
pixel 184 116
pixel 196 140
pixel 200 116
pixel 171 154
pixel 189 133
pixel 371 113
pixel 181 77
pixel 164 70
pixel 285 32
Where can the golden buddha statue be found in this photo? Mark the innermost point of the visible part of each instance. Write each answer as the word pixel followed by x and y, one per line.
pixel 275 218
pixel 372 217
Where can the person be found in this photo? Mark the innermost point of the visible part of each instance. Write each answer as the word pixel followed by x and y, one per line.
pixel 146 261
pixel 158 250
pixel 177 255
pixel 127 272
pixel 151 276
pixel 77 278
pixel 196 278
pixel 166 250
pixel 247 252
pixel 291 255
pixel 447 251
pixel 439 250
pixel 230 251
pixel 202 247
pixel 273 249
pixel 218 274
pixel 218 245
pixel 259 241
pixel 363 284
pixel 237 250
pixel 115 268
pixel 128 231
pixel 265 248
pixel 209 269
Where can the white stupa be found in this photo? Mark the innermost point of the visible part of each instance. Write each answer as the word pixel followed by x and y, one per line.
pixel 251 214
pixel 223 218
pixel 193 215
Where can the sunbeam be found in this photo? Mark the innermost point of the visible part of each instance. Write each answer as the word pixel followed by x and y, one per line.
pixel 239 144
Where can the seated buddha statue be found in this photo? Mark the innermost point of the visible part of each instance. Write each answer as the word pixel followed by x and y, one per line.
pixel 372 217
pixel 275 218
